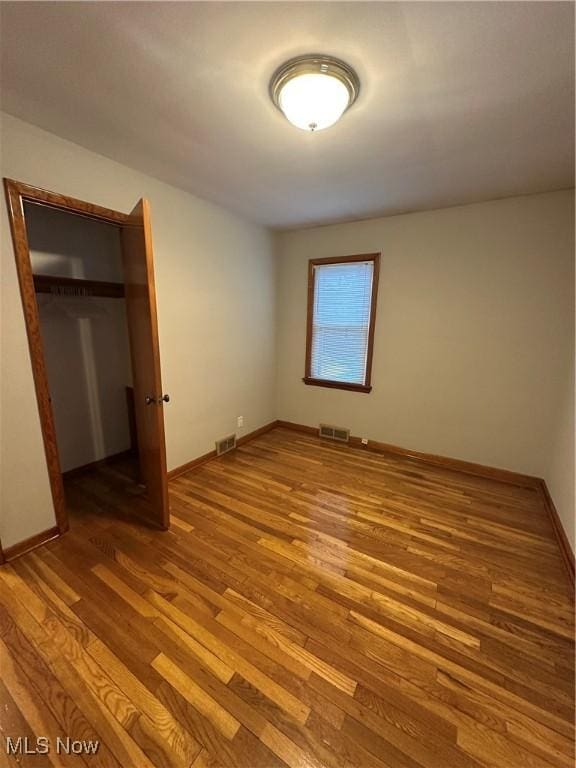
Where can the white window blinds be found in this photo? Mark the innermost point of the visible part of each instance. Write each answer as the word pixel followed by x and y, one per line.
pixel 341 321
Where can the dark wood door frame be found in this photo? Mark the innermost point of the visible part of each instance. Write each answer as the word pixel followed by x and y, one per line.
pixel 17 194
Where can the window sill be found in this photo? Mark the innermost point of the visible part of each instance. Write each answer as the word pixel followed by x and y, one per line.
pixel 337 385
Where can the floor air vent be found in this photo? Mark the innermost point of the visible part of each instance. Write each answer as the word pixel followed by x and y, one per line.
pixel 225 445
pixel 335 433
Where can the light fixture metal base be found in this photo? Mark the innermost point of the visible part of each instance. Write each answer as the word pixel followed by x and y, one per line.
pixel 315 63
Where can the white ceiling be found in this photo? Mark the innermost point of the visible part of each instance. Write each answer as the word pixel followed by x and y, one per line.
pixel 459 101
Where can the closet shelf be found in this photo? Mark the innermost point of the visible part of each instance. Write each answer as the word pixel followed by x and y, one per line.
pixel 71 286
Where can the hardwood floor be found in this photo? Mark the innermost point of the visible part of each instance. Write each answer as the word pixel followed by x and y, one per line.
pixel 312 605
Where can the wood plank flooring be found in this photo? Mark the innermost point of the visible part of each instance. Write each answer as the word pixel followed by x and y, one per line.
pixel 312 605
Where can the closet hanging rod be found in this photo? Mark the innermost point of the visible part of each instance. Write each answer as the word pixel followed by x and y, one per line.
pixel 72 286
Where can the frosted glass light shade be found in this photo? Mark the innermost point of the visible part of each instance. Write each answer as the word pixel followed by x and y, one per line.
pixel 314 101
pixel 313 92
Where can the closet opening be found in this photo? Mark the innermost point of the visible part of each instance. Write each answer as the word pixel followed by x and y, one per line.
pixel 77 270
pixel 87 284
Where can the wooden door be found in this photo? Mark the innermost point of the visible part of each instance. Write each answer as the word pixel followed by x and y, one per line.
pixel 138 265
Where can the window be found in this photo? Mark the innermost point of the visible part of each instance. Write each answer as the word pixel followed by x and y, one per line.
pixel 341 313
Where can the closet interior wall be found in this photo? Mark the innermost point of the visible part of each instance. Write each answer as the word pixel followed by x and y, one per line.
pixel 85 337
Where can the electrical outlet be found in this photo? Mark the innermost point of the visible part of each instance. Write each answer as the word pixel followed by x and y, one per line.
pixel 240 421
pixel 364 441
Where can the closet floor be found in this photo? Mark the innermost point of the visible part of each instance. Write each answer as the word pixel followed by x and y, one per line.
pixel 313 605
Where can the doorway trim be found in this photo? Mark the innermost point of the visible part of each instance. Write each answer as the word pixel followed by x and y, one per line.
pixel 17 193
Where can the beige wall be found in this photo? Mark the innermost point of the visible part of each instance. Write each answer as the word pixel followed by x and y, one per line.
pixel 474 343
pixel 215 286
pixel 560 468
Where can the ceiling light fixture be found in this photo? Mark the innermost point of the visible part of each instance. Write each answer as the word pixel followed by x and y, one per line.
pixel 314 91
